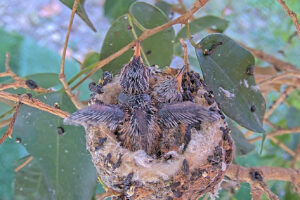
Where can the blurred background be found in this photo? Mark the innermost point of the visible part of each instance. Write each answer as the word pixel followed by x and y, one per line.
pixel 42 26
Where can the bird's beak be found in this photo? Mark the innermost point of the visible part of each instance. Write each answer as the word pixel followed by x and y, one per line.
pixel 137 52
pixel 179 78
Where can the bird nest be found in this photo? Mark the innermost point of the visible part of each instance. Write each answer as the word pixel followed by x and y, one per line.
pixel 186 166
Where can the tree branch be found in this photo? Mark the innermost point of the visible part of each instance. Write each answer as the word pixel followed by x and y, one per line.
pixel 9 131
pixel 26 162
pixel 294 161
pixel 185 55
pixel 62 76
pixel 246 174
pixel 18 81
pixel 282 146
pixel 35 103
pixel 280 99
pixel 277 132
pixel 277 63
pixel 147 33
pixel 292 15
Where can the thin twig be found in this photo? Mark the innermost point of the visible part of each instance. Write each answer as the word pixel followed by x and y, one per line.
pixel 277 63
pixel 277 132
pixel 34 103
pixel 282 145
pixel 147 33
pixel 185 54
pixel 188 33
pixel 18 81
pixel 280 99
pixel 7 68
pixel 182 5
pixel 21 84
pixel 226 7
pixel 9 131
pixel 280 76
pixel 274 127
pixel 62 76
pixel 4 122
pixel 292 15
pixel 295 158
pixel 24 164
pixel 248 133
pixel 239 173
pixel 9 103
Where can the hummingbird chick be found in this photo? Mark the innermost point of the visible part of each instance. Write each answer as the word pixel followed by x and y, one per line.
pixel 135 75
pixel 168 90
pixel 136 120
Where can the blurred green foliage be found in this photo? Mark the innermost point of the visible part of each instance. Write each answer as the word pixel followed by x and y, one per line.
pixel 62 163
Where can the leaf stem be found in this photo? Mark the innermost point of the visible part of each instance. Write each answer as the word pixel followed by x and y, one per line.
pixel 132 20
pixel 7 113
pixel 188 33
pixel 62 76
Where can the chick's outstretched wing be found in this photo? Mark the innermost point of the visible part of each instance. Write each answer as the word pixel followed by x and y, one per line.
pixel 96 115
pixel 170 115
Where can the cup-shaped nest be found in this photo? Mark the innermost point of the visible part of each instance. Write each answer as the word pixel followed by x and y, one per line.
pixel 182 170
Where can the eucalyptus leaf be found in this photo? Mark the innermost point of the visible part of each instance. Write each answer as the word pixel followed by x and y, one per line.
pixel 166 8
pixel 128 27
pixel 44 80
pixel 80 11
pixel 10 43
pixel 29 182
pixel 294 99
pixel 63 159
pixel 10 153
pixel 202 23
pixel 242 145
pixel 3 109
pixel 27 57
pixel 224 64
pixel 90 59
pixel 116 8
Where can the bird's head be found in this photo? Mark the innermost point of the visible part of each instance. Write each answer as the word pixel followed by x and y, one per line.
pixel 135 75
pixel 170 89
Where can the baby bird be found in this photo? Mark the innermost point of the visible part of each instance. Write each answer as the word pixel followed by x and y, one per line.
pixel 140 129
pixel 169 90
pixel 136 119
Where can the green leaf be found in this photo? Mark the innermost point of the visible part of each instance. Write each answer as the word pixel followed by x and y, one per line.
pixel 4 108
pixel 123 31
pixel 224 67
pixel 294 99
pixel 166 8
pixel 9 43
pixel 202 23
pixel 29 182
pixel 116 8
pixel 63 159
pixel 290 192
pixel 80 11
pixel 242 145
pixel 90 59
pixel 27 57
pixel 10 153
pixel 45 80
pixel 243 192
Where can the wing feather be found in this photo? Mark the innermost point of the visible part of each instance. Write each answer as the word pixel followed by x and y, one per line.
pixel 170 115
pixel 96 115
